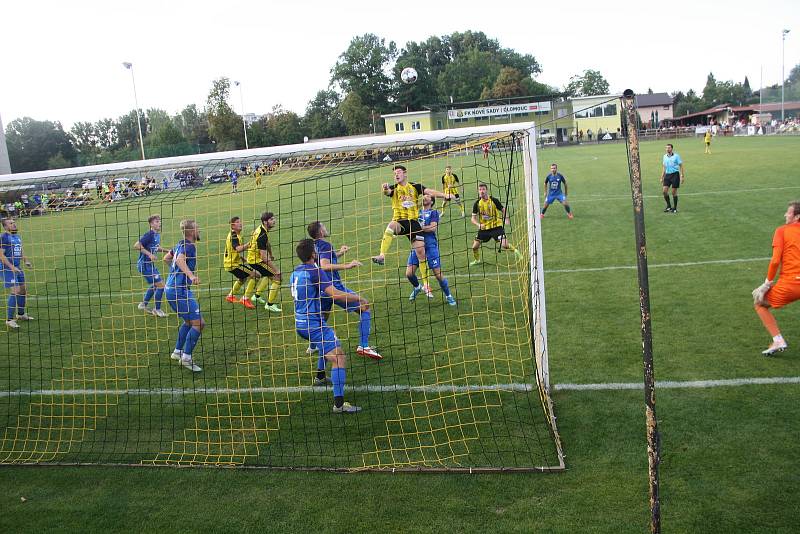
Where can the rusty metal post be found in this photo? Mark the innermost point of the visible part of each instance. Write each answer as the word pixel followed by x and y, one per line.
pixel 653 440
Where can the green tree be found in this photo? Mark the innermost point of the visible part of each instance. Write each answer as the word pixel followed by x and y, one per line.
pixel 361 69
pixel 107 135
pixel 32 144
pixel 193 125
pixel 323 118
pixel 590 83
pixel 86 140
pixel 688 103
pixel 128 130
pixel 468 75
pixel 710 91
pixel 357 117
pixel 224 125
pixel 510 83
pixel 156 119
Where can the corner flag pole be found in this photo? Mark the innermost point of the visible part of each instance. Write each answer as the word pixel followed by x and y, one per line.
pixel 653 441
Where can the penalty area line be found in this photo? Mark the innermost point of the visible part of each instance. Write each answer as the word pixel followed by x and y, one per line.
pixel 406 388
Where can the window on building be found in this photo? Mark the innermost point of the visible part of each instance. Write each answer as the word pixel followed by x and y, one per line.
pixel 582 114
pixel 596 112
pixel 665 107
pixel 399 127
pixel 438 124
pixel 462 119
pixel 562 112
pixel 610 110
pixel 526 114
pixel 415 125
pixel 478 119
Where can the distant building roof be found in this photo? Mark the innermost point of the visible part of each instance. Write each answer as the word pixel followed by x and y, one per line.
pixel 709 111
pixel 766 108
pixel 655 99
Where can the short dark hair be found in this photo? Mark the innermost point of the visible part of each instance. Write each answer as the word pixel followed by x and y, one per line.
pixel 234 219
pixel 153 218
pixel 399 167
pixel 670 145
pixel 314 229
pixel 483 184
pixel 305 249
pixel 795 205
pixel 267 215
pixel 5 220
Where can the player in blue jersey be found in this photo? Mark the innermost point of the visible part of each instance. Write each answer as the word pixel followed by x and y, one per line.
pixel 148 245
pixel 552 184
pixel 309 285
pixel 180 297
pixel 234 180
pixel 429 220
pixel 672 175
pixel 11 257
pixel 328 261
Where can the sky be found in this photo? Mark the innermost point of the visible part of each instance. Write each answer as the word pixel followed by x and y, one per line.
pixel 63 60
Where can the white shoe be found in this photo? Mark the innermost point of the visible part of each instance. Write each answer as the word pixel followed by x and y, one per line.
pixel 347 408
pixel 159 312
pixel 25 317
pixel 189 364
pixel 775 347
pixel 428 292
pixel 142 306
pixel 176 355
pixel 311 350
pixel 11 323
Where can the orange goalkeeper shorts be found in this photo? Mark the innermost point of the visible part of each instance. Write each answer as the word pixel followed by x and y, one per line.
pixel 784 293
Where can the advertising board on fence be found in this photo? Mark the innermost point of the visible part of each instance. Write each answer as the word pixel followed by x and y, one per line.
pixel 493 111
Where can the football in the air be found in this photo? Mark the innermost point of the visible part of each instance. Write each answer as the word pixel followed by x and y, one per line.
pixel 409 75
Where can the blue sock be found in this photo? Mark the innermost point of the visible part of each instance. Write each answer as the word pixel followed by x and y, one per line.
pixel 159 297
pixel 183 331
pixel 338 379
pixel 12 306
pixel 445 287
pixel 414 280
pixel 363 328
pixel 321 363
pixel 21 304
pixel 191 341
pixel 148 294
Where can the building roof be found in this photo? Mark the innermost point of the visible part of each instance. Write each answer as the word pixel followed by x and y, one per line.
pixel 655 99
pixel 766 108
pixel 407 114
pixel 709 111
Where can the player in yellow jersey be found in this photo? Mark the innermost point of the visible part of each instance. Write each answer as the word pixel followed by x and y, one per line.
pixel 489 215
pixel 406 197
pixel 707 140
pixel 259 256
pixel 451 185
pixel 235 264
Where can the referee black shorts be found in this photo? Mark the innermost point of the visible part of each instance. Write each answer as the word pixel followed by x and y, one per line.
pixel 242 272
pixel 410 228
pixel 672 179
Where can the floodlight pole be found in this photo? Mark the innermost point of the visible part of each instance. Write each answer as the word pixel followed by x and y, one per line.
pixel 128 65
pixel 653 441
pixel 783 61
pixel 244 123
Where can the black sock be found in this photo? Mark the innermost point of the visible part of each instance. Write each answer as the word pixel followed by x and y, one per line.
pixel 675 201
pixel 338 401
pixel 544 209
pixel 321 374
pixel 567 208
pixel 666 198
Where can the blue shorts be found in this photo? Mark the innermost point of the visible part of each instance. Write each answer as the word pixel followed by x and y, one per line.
pixel 184 303
pixel 431 255
pixel 327 303
pixel 321 336
pixel 11 278
pixel 555 196
pixel 149 271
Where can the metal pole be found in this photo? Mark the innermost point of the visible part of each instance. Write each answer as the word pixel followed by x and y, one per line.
pixel 653 445
pixel 128 65
pixel 244 123
pixel 783 56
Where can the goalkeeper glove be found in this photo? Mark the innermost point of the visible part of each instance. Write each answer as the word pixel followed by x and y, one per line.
pixel 760 293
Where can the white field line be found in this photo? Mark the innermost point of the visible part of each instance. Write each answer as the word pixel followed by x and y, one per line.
pixel 476 274
pixel 593 198
pixel 404 388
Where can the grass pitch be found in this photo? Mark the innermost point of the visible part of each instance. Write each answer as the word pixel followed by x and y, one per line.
pixel 728 453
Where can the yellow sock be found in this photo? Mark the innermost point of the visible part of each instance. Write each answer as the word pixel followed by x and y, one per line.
pixel 511 248
pixel 237 285
pixel 477 254
pixel 423 272
pixel 251 286
pixel 386 241
pixel 274 288
pixel 262 284
pixel 461 208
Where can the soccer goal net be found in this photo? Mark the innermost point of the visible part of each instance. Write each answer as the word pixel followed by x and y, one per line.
pixel 93 367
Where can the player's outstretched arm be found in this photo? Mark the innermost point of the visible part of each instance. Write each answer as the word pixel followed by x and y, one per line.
pixel 343 296
pixel 437 194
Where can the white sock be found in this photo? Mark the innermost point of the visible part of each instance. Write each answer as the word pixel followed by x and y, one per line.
pixel 186 357
pixel 778 339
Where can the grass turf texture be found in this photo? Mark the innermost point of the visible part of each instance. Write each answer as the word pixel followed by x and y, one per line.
pixel 728 460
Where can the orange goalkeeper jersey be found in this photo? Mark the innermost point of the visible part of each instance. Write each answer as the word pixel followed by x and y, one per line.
pixel 786 253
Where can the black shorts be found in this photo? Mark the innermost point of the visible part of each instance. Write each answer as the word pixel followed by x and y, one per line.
pixel 262 269
pixel 242 272
pixel 672 179
pixel 498 234
pixel 410 228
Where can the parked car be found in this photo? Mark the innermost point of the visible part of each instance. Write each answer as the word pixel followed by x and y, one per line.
pixel 218 176
pixel 88 185
pixel 52 185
